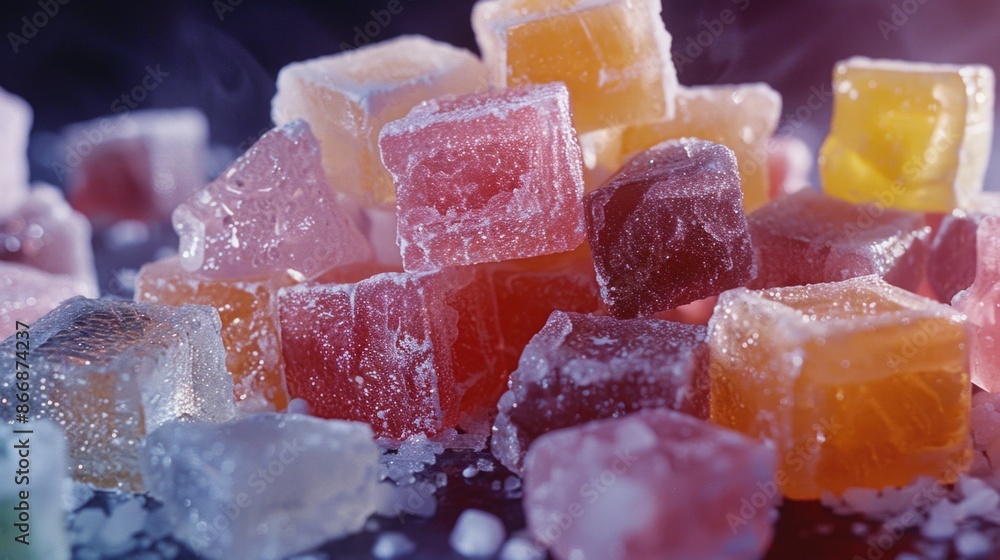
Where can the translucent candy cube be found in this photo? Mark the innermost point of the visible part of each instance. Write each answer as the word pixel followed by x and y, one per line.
pixel 43 526
pixel 249 313
pixel 407 353
pixel 47 234
pixel 108 372
pixel 270 212
pixel 614 55
pixel 908 135
pixel 15 126
pixel 951 263
pixel 137 165
pixel 26 294
pixel 856 383
pixel 268 486
pixel 486 177
pixel 741 117
pixel 810 238
pixel 585 367
pixel 981 302
pixel 669 229
pixel 650 485
pixel 347 98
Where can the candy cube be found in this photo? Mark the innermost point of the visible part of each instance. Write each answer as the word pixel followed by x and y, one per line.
pixel 650 485
pixel 407 353
pixel 348 98
pixel 137 165
pixel 741 117
pixel 810 238
pixel 981 302
pixel 249 315
pixel 47 234
pixel 32 525
pixel 585 367
pixel 613 54
pixel 909 135
pixel 669 229
pixel 108 372
pixel 15 126
pixel 789 164
pixel 856 383
pixel 486 177
pixel 270 212
pixel 26 294
pixel 951 263
pixel 525 299
pixel 305 480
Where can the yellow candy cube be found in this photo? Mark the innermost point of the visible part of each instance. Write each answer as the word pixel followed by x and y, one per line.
pixel 908 135
pixel 741 117
pixel 347 98
pixel 613 55
pixel 857 383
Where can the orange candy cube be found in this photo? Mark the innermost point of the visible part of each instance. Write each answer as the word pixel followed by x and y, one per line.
pixel 856 383
pixel 613 55
pixel 249 326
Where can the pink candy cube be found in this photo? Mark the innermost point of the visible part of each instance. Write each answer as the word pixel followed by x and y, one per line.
pixel 272 211
pixel 15 124
pixel 981 304
pixel 650 485
pixel 486 177
pixel 45 233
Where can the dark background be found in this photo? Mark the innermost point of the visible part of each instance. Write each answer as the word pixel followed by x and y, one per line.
pixel 90 53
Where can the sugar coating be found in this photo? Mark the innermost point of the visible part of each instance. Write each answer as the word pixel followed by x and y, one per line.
pixel 108 372
pixel 856 383
pixel 477 534
pixel 980 301
pixel 586 367
pixel 669 229
pixel 486 177
pixel 44 480
pixel 271 211
pixel 741 117
pixel 26 294
pixel 810 238
pixel 47 234
pixel 294 481
pixel 650 485
pixel 347 98
pixel 138 165
pixel 249 313
pixel 15 126
pixel 614 55
pixel 914 136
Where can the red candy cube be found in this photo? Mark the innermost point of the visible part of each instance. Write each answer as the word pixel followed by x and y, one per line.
pixel 669 229
pixel 486 177
pixel 407 353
